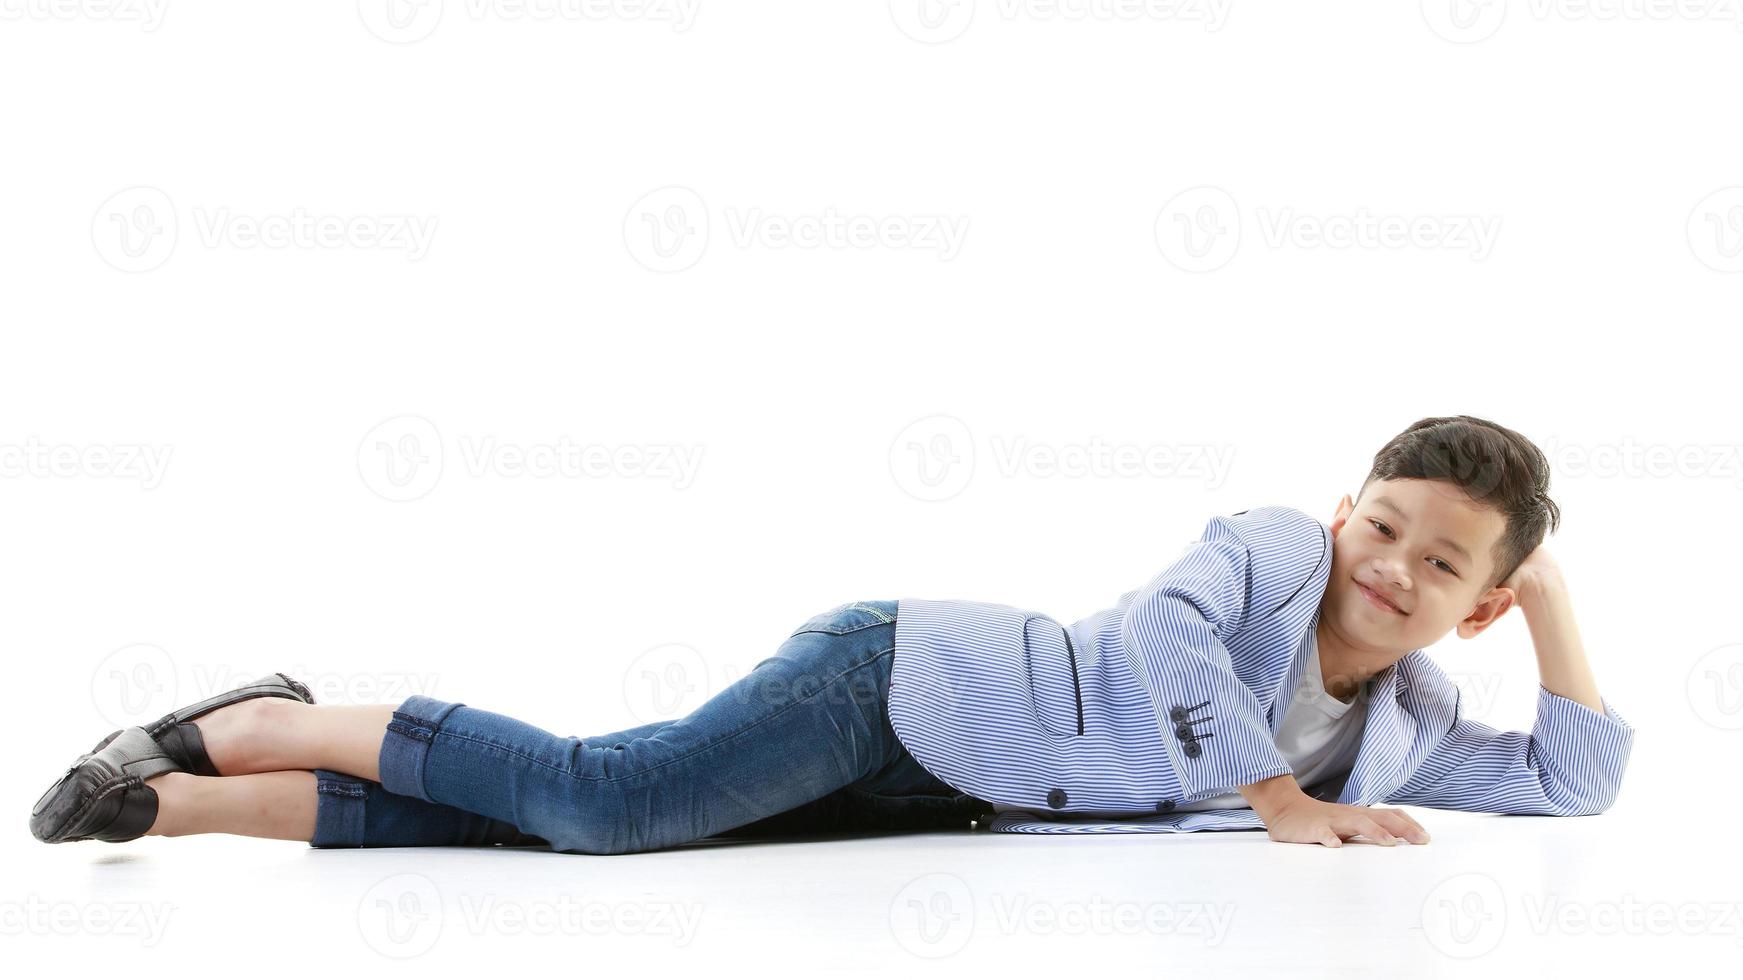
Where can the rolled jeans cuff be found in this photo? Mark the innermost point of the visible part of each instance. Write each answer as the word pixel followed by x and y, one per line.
pixel 339 814
pixel 353 812
pixel 406 747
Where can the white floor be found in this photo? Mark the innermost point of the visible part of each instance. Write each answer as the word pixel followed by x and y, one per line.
pixel 1490 896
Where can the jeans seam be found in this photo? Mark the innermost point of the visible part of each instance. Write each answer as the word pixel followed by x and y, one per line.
pixel 885 620
pixel 336 788
pixel 846 632
pixel 527 758
pixel 342 815
pixel 421 733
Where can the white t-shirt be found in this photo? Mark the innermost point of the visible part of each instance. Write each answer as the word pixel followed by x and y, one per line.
pixel 1319 738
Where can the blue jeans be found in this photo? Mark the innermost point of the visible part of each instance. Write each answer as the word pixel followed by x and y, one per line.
pixel 800 745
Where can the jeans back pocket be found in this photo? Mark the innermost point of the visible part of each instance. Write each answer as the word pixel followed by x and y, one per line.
pixel 850 616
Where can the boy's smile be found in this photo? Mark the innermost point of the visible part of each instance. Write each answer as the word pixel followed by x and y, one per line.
pixel 1380 599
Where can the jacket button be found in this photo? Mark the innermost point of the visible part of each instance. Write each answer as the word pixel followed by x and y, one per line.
pixel 1184 733
pixel 1192 750
pixel 1055 798
pixel 1177 713
pixel 1164 806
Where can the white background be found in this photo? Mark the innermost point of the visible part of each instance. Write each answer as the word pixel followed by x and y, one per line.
pixel 294 393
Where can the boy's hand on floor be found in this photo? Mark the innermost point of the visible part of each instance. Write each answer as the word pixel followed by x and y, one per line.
pixel 1311 821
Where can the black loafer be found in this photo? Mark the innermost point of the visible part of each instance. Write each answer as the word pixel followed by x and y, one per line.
pixel 181 740
pixel 104 796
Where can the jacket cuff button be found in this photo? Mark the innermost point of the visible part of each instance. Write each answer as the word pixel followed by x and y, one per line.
pixel 1192 750
pixel 1056 798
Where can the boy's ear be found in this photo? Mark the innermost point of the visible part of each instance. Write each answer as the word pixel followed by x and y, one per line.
pixel 1492 606
pixel 1346 506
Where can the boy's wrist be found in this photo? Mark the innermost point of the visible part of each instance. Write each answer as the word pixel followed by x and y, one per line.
pixel 1532 591
pixel 1268 796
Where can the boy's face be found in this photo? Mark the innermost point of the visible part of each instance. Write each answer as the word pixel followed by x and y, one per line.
pixel 1425 546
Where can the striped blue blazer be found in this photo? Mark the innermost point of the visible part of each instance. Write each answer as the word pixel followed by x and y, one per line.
pixel 1175 694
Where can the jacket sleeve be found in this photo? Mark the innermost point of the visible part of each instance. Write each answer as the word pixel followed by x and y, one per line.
pixel 1175 635
pixel 1569 764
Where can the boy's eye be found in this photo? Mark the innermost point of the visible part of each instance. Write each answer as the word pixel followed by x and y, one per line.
pixel 1388 532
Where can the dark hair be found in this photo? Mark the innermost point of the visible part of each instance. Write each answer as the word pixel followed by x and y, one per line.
pixel 1493 465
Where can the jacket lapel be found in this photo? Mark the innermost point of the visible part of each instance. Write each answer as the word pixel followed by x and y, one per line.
pixel 1284 699
pixel 1388 741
